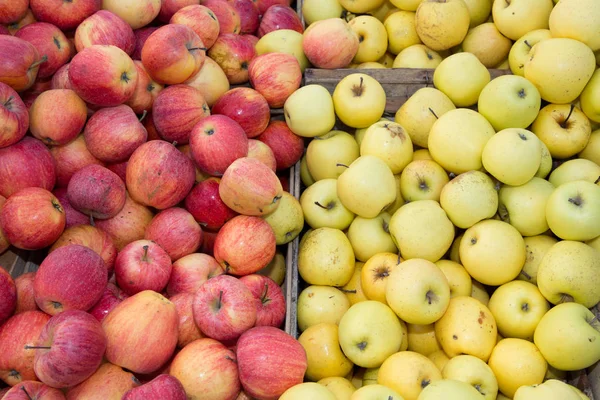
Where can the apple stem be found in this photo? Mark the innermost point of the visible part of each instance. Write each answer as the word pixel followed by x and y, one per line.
pixel 564 124
pixel 597 181
pixel 144 113
pixel 28 347
pixel 433 112
pixel 220 300
pixel 198 48
pixel 399 260
pixel 145 256
pixel 526 275
pixel 38 62
pixel 26 393
pixel 92 223
pixel 341 165
pixel 7 104
pixel 527 43
pixel 328 207
pixel 175 143
pixel 263 297
pixel 348 291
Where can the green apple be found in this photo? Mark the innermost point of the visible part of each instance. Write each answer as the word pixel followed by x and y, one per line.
pixel 417 56
pixel 551 389
pixel 316 10
pixel 536 248
pixel 389 141
pixel 305 176
pixel 367 186
pixel 469 198
pixel 287 220
pixel 421 229
pixel 326 257
pixel 309 111
pixel 577 20
pixel 524 206
pixel 521 49
pixel 572 211
pixel 322 207
pixel 518 17
pixel 327 155
pixel 370 236
pixel 369 333
pixel 509 101
pixel 546 163
pixel 284 41
pixel 568 337
pixel 275 269
pixel 579 282
pixel 575 170
pixel 475 372
pixel 359 100
pixel 372 36
pixel 418 114
pixel 592 150
pixel 321 304
pixel 461 77
pixel 423 180
pixel 449 389
pixel 375 392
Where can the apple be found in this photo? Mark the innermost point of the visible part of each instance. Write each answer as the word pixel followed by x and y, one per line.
pixel 169 7
pixel 421 339
pixel 340 387
pixel 400 39
pixel 310 390
pixel 330 54
pixel 276 85
pixel 110 298
pixel 323 162
pixel 201 19
pixel 110 82
pixel 324 355
pixel 211 81
pixel 376 391
pixel 188 330
pixel 162 387
pixel 141 35
pixel 13 12
pixel 278 17
pixel 351 96
pixel 104 27
pixel 260 151
pixel 26 20
pixel 224 308
pixel 423 180
pixel 372 37
pixel 60 79
pixel 142 265
pixel 322 207
pixel 207 369
pixel 461 77
pixel 135 13
pixel 576 22
pixel 521 49
pixel 283 41
pixel 276 269
pixel 450 389
pixel 520 17
pixel 25 295
pixel 487 43
pixel 233 53
pixel 321 304
pixel 96 191
pixel 32 390
pixel 20 62
pixel 287 147
pixel 315 10
pixel 309 111
pixel 268 298
pixel 65 16
pixel 442 25
pixel 249 15
pixel 69 159
pixel 287 221
pixel 416 56
pixel 72 216
pixel 568 211
pixel 176 231
pixel 389 141
pixel 479 10
pixel 229 19
pixel 473 371
pixel 49 41
pixel 146 91
pixel 408 373
pixel 370 236
pixel 108 382
pixel 141 332
pixel 207 208
pixel 574 170
pixel 551 389
pixel 247 107
pixel 537 247
pixel 13 116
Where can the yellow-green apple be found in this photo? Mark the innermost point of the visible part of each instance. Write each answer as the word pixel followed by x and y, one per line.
pixel 512 156
pixel 286 146
pixel 108 382
pixel 568 326
pixel 324 356
pixel 342 388
pixel 360 6
pixel 145 91
pixel 308 390
pixel 574 170
pixel 191 271
pixel 449 389
pixel 283 41
pixel 73 217
pixel 276 269
pixel 268 299
pixel 176 231
pixel 521 49
pixel 317 304
pixel 458 278
pixel 249 15
pixel 577 20
pixel 211 81
pixel 20 62
pixel 454 253
pixel 245 106
pixel 517 18
pixel 316 10
pixel 207 369
pixel 479 292
pixel 408 373
pixel 364 346
pixel 418 114
pixel 229 19
pixel 474 371
pixel 159 175
pixel 552 389
pixel 305 176
pixel 442 25
pixel 590 152
pixel 309 111
pixel 34 390
pixel 461 77
pixel 401 30
pixel 276 85
pixel 201 19
pixel 262 152
pixel 96 191
pixel 13 11
pixel 135 13
pixel 25 295
pixel 188 330
pixel 359 100
pixel 421 229
pixel 370 236
pixel 233 53
pixel 367 186
pixel 520 101
pixel 560 68
pixel 264 352
pixel 14 116
pixel 322 207
pixel 372 37
pixel 104 27
pixel 353 289
pixel 316 262
pixel 421 339
pixel 546 164
pixel 163 386
pixel 49 41
pixel 479 11
pixel 328 156
pixel 375 391
pixel 417 56
pixel 331 54
pixel 287 220
pixel 375 274
pixel 571 211
pixel 589 99
pixel 277 17
pixel 536 247
pixel 388 141
pixel 207 208
pixel 469 198
pixel 467 327
pixel 423 180
pixel 110 298
pixel 487 43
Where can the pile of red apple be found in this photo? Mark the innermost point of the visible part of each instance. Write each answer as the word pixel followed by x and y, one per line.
pixel 157 191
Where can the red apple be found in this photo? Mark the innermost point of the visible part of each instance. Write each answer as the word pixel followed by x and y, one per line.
pixel 27 19
pixel 269 300
pixel 191 271
pixel 32 390
pixel 176 231
pixel 279 17
pixel 335 53
pixel 159 175
pixel 142 332
pixel 247 107
pixel 275 84
pixel 57 116
pixel 201 20
pixel 148 122
pixel 8 296
pixel 162 387
pixel 103 75
pixel 72 277
pixel 92 237
pixel 112 134
pixel 249 15
pixel 142 265
pixel 120 169
pixel 229 19
pixel 104 27
pixel 270 361
pixel 107 383
pixel 72 216
pixel 19 62
pixel 200 175
pixel 32 219
pixel 216 142
pixel 4 244
pixel 69 349
pixel 145 92
pixel 205 204
pixel 264 5
pixel 4 31
pixel 286 145
pixel 233 53
pixel 14 117
pixel 6 389
pixel 128 225
pixel 13 10
pixel 164 369
pixel 60 79
pixel 262 152
pixel 208 244
pixel 49 41
pixel 249 187
pixel 69 159
pixel 96 191
pixel 188 330
pixel 16 362
pixel 141 35
pixel 169 7
pixel 176 110
pixel 224 308
pixel 25 294
pixel 173 53
pixel 112 296
pixel 64 14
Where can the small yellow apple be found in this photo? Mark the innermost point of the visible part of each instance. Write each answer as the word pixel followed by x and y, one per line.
pixel 592 150
pixel 409 5
pixel 287 220
pixel 372 37
pixel 458 278
pixel 399 202
pixel 439 358
pixel 487 43
pixel 319 304
pixel 479 10
pixel 389 141
pixel 322 207
pixel 422 154
pixel 536 248
pixel 401 31
pixel 387 60
pixel 442 25
pixel 382 11
pixel 423 180
pixel 325 358
pixel 326 154
pixel 449 389
pixel 307 390
pixel 342 388
pixel 305 176
pixel 360 6
pixel 370 236
pixel 316 10
pixel 454 253
pixel 371 65
pixel 375 275
pixel 417 56
pixel 359 100
pixel 461 77
pixel 475 372
pixel 284 41
pixel 577 19
pixel 376 392
pixel 546 164
pixel 590 101
pixel 479 292
pixel 353 289
pixel 574 170
pixel 551 389
pixel 408 373
pixel 309 111
pixel 422 340
pixel 517 17
pixel 521 49
pixel 370 376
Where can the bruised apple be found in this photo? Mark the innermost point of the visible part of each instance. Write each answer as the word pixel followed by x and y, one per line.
pixel 96 191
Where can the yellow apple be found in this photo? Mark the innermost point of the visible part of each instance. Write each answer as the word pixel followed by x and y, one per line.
pixel 309 111
pixel 479 10
pixel 422 154
pixel 546 164
pixel 457 276
pixel 375 275
pixel 371 65
pixel 370 376
pixel 417 56
pixel 517 17
pixel 326 154
pixel 370 236
pixel 342 388
pixel 421 229
pixel 479 292
pixel 516 363
pixel 408 5
pixel 454 253
pixel 307 180
pixel 469 198
pixel 418 114
pixel 461 77
pixel 275 269
pixel 320 304
pixel 387 60
pixel 284 41
pixel 401 31
pixel 590 101
pixel 382 11
pixel 408 373
pixel 390 142
pixel 442 25
pixel 376 392
pixel 325 358
pixel 136 13
pixel 359 100
pixel 211 81
pixel 326 258
pixel 521 49
pixel 487 43
pixel 475 372
pixel 316 10
pixel 439 358
pixel 372 36
pixel 595 243
pixel 560 68
pixel 467 327
pixel 575 170
pixel 359 133
pixel 582 395
pixel 369 333
pixel 399 202
pixel 423 180
pixel 536 248
pixel 360 6
pixel 449 389
pixel 592 150
pixel 422 340
pixel 551 389
pixel 503 64
pixel 322 207
pixel 577 19
pixel 307 390
pixel 353 289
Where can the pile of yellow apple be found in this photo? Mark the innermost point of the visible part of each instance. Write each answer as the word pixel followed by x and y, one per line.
pixel 454 252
